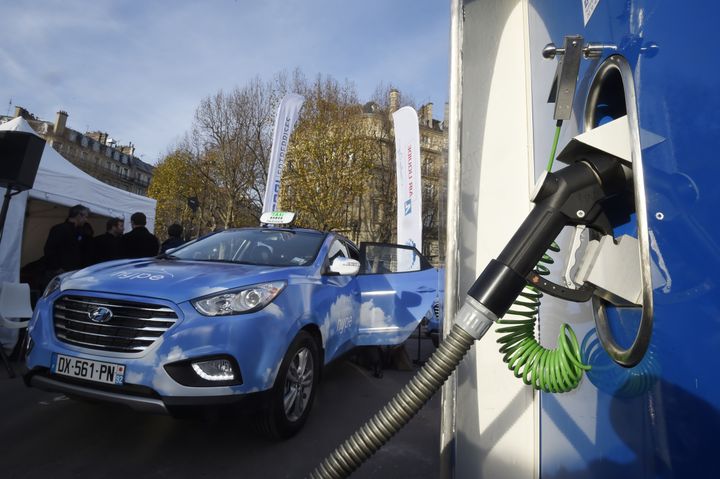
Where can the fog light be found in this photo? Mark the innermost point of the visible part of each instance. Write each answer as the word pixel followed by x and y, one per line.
pixel 214 370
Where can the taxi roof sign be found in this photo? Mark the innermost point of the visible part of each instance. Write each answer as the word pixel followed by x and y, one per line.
pixel 277 218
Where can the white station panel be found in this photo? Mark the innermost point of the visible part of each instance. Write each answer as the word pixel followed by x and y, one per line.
pixel 495 413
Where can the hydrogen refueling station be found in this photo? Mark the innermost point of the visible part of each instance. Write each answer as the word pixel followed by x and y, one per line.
pixel 582 315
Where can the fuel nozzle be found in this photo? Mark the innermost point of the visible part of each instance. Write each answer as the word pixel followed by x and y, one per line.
pixel 578 194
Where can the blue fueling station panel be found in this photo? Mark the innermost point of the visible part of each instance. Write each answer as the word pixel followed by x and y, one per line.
pixel 659 418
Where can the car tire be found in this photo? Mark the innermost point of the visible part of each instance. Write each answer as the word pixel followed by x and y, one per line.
pixel 294 389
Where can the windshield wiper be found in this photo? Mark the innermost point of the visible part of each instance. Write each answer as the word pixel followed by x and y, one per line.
pixel 275 230
pixel 218 261
pixel 230 261
pixel 166 256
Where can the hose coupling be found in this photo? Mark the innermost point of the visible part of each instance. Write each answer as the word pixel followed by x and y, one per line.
pixel 474 318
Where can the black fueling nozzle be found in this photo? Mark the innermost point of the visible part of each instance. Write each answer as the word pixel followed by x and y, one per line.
pixel 574 195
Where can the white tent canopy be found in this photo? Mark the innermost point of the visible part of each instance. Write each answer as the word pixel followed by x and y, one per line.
pixel 58 185
pixel 59 181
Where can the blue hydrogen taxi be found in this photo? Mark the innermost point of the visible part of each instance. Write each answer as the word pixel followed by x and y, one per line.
pixel 247 316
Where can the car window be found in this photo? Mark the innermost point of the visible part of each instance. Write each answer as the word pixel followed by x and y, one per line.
pixel 383 258
pixel 353 252
pixel 260 246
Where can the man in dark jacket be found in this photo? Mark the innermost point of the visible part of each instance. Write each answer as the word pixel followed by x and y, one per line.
pixel 106 247
pixel 64 245
pixel 174 238
pixel 139 243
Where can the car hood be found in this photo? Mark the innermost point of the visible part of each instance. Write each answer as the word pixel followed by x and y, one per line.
pixel 174 280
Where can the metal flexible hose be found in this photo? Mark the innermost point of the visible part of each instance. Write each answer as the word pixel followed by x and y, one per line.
pixel 398 412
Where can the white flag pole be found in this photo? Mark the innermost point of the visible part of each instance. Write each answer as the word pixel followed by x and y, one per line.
pixel 287 114
pixel 409 192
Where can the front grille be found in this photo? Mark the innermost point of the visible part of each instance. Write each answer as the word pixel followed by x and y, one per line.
pixel 132 328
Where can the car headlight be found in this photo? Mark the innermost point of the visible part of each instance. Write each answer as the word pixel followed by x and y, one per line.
pixel 246 300
pixel 54 284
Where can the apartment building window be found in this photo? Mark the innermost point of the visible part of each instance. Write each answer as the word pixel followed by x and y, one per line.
pixel 84 142
pixel 116 155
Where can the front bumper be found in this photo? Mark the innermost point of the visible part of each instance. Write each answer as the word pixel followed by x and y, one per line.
pixel 256 342
pixel 140 398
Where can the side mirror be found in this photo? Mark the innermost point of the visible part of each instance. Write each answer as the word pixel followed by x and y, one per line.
pixel 345 266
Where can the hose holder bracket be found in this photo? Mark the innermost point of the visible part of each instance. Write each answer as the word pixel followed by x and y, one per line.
pixel 580 295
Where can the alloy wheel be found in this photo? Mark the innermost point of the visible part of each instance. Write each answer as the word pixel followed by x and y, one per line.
pixel 298 384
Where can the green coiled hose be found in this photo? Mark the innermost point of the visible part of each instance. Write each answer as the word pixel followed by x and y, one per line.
pixel 550 370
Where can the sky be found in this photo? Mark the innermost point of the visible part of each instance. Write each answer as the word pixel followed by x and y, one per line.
pixel 138 69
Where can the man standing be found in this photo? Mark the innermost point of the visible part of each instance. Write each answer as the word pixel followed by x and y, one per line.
pixel 174 240
pixel 139 243
pixel 106 246
pixel 65 243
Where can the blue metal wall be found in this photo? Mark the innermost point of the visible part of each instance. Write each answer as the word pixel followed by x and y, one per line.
pixel 659 419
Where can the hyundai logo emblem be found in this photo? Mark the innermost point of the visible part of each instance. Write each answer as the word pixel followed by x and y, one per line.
pixel 100 315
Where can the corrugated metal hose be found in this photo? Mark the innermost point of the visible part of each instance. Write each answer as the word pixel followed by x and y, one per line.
pixel 398 412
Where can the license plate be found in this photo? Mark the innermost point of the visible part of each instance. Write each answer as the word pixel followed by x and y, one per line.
pixel 109 373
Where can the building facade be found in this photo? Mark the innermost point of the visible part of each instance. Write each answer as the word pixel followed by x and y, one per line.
pixel 377 210
pixel 96 153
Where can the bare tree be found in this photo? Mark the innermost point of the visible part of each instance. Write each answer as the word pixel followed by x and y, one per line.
pixel 328 158
pixel 339 170
pixel 172 184
pixel 233 134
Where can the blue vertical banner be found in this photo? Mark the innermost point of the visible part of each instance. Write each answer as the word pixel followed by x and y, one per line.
pixel 287 114
pixel 409 187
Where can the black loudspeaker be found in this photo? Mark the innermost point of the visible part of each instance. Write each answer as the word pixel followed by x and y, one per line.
pixel 20 154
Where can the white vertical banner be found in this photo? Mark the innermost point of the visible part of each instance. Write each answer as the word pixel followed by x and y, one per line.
pixel 287 115
pixel 409 188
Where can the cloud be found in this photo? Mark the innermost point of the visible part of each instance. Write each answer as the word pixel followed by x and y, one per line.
pixel 373 317
pixel 341 315
pixel 139 70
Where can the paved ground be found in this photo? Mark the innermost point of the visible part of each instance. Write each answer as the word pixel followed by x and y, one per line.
pixel 46 435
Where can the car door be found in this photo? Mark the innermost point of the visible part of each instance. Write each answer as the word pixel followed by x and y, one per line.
pixel 337 303
pixel 397 288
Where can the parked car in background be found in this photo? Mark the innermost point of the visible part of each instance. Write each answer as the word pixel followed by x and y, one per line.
pixel 245 316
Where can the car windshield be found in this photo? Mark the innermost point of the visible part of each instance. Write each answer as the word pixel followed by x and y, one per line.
pixel 266 246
